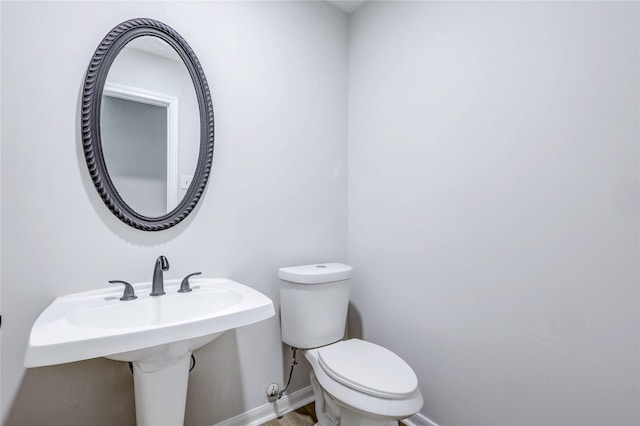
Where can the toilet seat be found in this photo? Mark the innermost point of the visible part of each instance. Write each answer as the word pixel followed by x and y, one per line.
pixel 368 368
pixel 363 401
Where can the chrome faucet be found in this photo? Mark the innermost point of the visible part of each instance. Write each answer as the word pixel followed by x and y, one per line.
pixel 157 287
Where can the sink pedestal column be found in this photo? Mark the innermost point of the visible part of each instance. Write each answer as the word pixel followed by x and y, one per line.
pixel 160 387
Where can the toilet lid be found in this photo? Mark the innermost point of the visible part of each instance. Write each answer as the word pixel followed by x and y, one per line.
pixel 368 368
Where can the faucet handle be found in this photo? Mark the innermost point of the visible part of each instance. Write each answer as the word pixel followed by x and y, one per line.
pixel 184 286
pixel 129 294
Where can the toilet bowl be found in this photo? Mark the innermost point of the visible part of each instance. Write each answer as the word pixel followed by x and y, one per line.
pixel 355 382
pixel 367 382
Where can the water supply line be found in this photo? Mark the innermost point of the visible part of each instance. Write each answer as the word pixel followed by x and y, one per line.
pixel 273 392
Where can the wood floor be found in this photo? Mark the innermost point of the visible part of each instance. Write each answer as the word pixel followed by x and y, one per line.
pixel 304 416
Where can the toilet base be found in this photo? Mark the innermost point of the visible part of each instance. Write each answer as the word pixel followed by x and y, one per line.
pixel 352 418
pixel 331 413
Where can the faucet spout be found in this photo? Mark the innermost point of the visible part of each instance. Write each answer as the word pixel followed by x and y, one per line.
pixel 157 285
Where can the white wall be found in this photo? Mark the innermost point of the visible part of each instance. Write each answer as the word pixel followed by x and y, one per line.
pixel 493 205
pixel 277 195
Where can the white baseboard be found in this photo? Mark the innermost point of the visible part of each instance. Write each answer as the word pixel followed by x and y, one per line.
pixel 418 420
pixel 270 411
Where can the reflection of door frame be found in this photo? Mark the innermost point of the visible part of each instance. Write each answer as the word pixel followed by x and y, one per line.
pixel 169 102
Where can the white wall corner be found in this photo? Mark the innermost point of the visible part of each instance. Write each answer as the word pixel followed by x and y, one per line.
pixel 270 411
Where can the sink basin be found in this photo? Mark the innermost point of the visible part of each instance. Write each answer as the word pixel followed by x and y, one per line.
pixel 157 334
pixel 97 324
pixel 153 311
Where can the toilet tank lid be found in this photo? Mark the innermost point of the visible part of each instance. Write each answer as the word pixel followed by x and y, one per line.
pixel 316 273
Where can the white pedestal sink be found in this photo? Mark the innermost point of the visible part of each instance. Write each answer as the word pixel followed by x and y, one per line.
pixel 157 334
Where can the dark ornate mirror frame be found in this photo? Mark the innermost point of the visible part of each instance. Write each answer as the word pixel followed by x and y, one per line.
pixel 94 82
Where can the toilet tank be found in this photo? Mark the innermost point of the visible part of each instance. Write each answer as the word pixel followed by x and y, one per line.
pixel 313 303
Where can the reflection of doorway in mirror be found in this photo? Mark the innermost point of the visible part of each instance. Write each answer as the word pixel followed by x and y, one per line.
pixel 146 124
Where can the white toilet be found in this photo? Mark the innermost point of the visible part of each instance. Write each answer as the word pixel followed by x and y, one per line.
pixel 356 383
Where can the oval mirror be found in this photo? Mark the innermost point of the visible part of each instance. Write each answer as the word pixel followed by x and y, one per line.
pixel 147 124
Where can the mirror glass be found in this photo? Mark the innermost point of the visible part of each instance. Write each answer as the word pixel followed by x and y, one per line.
pixel 150 126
